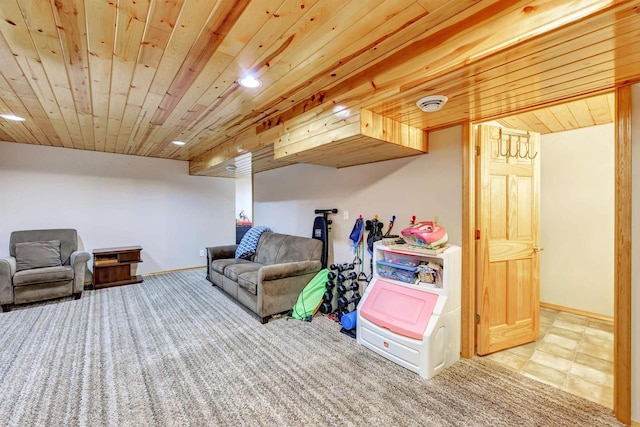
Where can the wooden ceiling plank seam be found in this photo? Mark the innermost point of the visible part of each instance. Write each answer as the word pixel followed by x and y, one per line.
pixel 510 58
pixel 226 58
pixel 4 136
pixel 300 37
pixel 160 22
pixel 429 17
pixel 391 131
pixel 566 62
pixel 296 130
pixel 595 73
pixel 70 22
pixel 564 115
pixel 257 23
pixel 69 18
pixel 44 35
pixel 21 99
pixel 611 100
pixel 580 111
pixel 17 38
pixel 192 17
pixel 442 60
pixel 216 29
pixel 131 22
pixel 599 110
pixel 333 61
pixel 549 119
pixel 351 152
pixel 217 67
pixel 512 122
pixel 520 66
pixel 535 46
pixel 250 141
pixel 533 122
pixel 11 103
pixel 567 70
pixel 100 28
pixel 18 131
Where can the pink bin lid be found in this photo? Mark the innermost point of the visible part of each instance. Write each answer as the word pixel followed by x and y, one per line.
pixel 397 308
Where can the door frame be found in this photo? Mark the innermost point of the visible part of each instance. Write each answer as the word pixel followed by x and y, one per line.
pixel 622 251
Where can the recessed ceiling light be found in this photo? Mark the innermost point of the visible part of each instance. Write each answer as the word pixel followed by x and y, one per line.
pixel 230 168
pixel 178 142
pixel 250 82
pixel 12 117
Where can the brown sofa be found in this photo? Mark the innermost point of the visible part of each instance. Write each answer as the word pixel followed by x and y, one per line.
pixel 269 283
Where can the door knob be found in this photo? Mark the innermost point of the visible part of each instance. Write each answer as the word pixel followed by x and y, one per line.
pixel 538 249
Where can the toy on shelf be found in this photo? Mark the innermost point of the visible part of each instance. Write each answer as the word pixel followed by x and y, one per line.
pixel 426 234
pixel 243 219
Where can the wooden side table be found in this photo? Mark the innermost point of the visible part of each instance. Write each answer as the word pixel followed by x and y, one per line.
pixel 112 266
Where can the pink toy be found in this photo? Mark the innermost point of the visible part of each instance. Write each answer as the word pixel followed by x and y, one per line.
pixel 426 234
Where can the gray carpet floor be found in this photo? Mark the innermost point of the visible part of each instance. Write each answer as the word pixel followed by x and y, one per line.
pixel 175 351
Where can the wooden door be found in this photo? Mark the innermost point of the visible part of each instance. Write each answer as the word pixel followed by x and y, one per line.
pixel 507 304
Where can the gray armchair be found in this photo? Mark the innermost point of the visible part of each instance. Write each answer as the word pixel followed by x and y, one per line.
pixel 43 264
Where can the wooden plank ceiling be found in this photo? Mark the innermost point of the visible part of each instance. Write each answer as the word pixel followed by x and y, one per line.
pixel 130 76
pixel 597 110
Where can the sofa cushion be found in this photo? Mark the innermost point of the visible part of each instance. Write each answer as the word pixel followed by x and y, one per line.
pixel 43 275
pixel 234 270
pixel 247 246
pixel 220 264
pixel 68 238
pixel 276 248
pixel 39 254
pixel 249 281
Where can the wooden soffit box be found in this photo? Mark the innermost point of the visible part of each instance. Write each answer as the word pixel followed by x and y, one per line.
pixel 361 138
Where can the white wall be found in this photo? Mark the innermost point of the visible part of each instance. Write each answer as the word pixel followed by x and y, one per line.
pixel 425 186
pixel 115 200
pixel 635 257
pixel 577 219
pixel 244 197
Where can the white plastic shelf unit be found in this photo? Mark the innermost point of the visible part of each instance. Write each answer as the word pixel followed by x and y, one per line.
pixel 416 325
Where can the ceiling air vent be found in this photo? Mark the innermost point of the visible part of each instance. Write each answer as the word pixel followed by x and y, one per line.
pixel 431 103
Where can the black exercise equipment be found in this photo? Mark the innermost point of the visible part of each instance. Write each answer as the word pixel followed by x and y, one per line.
pixel 342 289
pixel 343 302
pixel 321 229
pixel 326 308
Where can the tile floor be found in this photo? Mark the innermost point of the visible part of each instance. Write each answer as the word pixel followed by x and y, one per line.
pixel 574 353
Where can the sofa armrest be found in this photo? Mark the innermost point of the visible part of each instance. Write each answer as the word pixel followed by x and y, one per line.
pixel 7 270
pixel 79 261
pixel 288 269
pixel 221 252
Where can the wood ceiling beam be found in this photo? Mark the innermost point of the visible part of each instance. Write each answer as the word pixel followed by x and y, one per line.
pixel 442 50
pixel 290 139
pixel 313 77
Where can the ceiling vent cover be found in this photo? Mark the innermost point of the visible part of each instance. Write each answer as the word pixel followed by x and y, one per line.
pixel 432 103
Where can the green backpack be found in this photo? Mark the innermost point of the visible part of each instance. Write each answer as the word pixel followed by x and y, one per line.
pixel 310 297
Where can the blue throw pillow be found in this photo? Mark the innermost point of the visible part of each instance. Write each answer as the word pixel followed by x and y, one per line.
pixel 247 247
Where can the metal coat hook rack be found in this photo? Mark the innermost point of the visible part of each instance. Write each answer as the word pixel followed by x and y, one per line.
pixel 516 139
